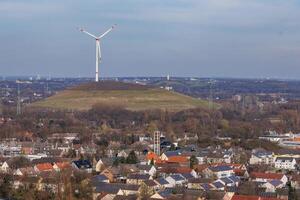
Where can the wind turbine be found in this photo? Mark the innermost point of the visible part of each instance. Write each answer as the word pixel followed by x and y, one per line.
pixel 98 49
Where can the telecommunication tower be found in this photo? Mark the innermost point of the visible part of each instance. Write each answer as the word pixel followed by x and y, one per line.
pixel 156 140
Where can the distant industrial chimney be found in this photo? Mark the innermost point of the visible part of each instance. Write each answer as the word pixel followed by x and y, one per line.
pixel 168 77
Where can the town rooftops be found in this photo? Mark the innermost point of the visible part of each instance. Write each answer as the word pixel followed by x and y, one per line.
pixel 172 153
pixel 177 177
pixel 114 188
pixel 246 197
pixel 162 181
pixel 44 167
pixel 139 176
pixel 275 182
pixel 220 168
pixel 82 164
pixel 284 159
pixel 178 159
pixel 266 175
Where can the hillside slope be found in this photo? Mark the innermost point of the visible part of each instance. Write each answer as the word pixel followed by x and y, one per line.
pixel 129 96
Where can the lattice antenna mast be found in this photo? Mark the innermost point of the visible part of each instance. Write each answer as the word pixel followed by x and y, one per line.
pixel 156 146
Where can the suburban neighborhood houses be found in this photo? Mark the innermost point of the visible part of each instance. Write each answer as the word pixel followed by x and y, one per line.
pixel 181 172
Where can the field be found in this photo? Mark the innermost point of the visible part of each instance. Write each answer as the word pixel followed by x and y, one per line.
pixel 129 96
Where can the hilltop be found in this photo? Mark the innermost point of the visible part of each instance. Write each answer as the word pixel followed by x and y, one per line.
pixel 128 95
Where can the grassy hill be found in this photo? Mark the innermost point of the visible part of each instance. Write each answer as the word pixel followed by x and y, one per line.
pixel 127 95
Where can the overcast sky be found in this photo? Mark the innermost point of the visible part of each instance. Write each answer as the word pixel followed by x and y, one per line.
pixel 204 38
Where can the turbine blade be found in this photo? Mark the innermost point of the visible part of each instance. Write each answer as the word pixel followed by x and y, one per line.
pixel 106 32
pixel 84 31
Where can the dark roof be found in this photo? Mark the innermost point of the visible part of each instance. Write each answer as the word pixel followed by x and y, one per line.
pixel 275 182
pixel 206 186
pixel 83 164
pixel 218 184
pixel 177 177
pixel 200 180
pixel 144 167
pixel 285 159
pixel 162 181
pixel 165 193
pixel 220 168
pixel 127 197
pixel 234 178
pixel 139 176
pixel 150 183
pixel 187 175
pixel 172 153
pixel 226 180
pixel 98 178
pixel 110 188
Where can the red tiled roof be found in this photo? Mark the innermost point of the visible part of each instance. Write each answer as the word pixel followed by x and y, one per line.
pixel 233 165
pixel 44 167
pixel 244 197
pixel 63 165
pixel 266 175
pixel 177 159
pixel 151 155
pixel 239 172
pixel 200 168
pixel 181 170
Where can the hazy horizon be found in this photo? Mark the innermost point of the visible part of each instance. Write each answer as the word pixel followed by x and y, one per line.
pixel 183 38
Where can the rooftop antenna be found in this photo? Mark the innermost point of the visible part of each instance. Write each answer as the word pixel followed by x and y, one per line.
pixel 98 50
pixel 18 101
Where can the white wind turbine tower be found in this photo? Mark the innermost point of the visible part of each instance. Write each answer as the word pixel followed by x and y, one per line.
pixel 98 49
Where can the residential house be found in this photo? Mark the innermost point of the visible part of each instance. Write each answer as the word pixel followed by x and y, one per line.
pixel 152 185
pixel 178 170
pixel 123 153
pixel 287 163
pixel 265 177
pixel 181 160
pixel 261 157
pixel 164 194
pixel 137 179
pixel 163 183
pixel 196 183
pixel 99 165
pixel 273 185
pixel 83 165
pixel 99 179
pixel 218 185
pixel 114 189
pixel 5 167
pixel 112 173
pixel 147 169
pixel 25 171
pixel 219 171
pixel 151 156
pixel 176 180
pixel 43 167
pixel 59 166
pixel 166 155
pixel 232 196
pixel 230 181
